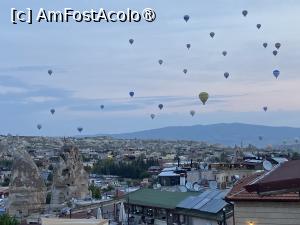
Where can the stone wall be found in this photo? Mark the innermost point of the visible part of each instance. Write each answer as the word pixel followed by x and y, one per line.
pixel 267 213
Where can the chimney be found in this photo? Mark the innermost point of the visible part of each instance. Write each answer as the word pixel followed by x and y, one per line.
pixel 182 179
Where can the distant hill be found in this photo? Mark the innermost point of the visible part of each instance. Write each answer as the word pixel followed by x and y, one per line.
pixel 227 134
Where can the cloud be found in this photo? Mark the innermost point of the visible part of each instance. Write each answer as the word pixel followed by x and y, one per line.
pixel 43 69
pixel 5 90
pixel 24 69
pixel 41 99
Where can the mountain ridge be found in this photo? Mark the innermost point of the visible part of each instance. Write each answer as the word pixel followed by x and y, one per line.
pixel 229 134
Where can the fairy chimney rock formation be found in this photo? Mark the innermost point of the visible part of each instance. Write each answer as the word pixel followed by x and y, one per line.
pixel 27 190
pixel 70 180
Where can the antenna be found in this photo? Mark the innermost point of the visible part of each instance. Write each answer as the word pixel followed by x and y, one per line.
pixel 267 165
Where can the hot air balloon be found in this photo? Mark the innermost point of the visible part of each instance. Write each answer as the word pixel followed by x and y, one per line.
pixel 258 26
pixel 276 73
pixel 275 52
pixel 296 140
pixel 186 18
pixel 185 71
pixel 80 129
pixel 152 116
pixel 160 62
pixel 160 106
pixel 265 108
pixel 245 13
pixel 260 138
pixel 224 53
pixel 39 126
pixel 102 106
pixel 52 111
pixel 277 45
pixel 265 44
pixel 131 94
pixel 192 112
pixel 203 96
pixel 212 34
pixel 188 46
pixel 131 41
pixel 226 75
pixel 50 72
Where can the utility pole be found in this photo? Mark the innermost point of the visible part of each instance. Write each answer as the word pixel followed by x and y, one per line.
pixel 128 205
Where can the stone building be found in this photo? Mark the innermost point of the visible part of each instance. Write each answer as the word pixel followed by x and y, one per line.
pixel 268 198
pixel 149 206
pixel 70 180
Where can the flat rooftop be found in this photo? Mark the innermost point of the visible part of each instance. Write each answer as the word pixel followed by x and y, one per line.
pixel 158 199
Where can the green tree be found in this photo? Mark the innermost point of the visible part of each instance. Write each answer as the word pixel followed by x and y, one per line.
pixel 96 192
pixel 7 220
pixel 88 169
pixel 50 167
pixel 85 159
pixel 48 198
pixel 135 169
pixel 6 164
pixel 6 182
pixel 109 188
pixel 50 177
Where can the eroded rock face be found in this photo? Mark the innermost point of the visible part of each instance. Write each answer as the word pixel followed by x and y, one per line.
pixel 27 191
pixel 70 180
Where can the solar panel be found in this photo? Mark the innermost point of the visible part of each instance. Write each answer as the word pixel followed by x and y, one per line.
pixel 209 201
pixel 204 194
pixel 212 193
pixel 221 195
pixel 201 203
pixel 214 206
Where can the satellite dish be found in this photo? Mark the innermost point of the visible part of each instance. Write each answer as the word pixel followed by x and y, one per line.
pixel 267 165
pixel 213 185
pixel 197 187
pixel 236 177
pixel 188 185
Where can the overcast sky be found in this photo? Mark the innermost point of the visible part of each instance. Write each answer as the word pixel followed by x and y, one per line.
pixel 94 64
